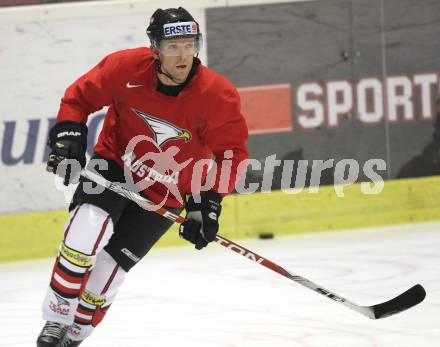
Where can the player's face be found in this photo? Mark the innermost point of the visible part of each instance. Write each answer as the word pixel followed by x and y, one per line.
pixel 176 57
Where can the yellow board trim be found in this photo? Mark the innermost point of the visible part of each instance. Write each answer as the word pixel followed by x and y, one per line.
pixel 38 234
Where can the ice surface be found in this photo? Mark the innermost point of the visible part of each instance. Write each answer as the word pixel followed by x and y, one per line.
pixel 212 298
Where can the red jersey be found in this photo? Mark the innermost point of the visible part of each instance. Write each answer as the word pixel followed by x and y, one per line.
pixel 162 138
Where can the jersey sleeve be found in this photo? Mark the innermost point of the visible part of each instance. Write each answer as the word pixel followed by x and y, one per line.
pixel 90 92
pixel 227 137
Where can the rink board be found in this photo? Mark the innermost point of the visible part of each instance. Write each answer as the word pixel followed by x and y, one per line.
pixel 37 234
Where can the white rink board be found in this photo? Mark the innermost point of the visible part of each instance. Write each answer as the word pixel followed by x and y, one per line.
pixel 215 298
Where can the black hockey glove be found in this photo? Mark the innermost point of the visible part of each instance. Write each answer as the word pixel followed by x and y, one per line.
pixel 67 140
pixel 201 225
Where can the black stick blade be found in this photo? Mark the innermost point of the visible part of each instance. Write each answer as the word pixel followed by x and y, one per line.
pixel 404 301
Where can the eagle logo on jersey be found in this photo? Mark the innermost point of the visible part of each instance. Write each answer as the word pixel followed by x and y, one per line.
pixel 163 131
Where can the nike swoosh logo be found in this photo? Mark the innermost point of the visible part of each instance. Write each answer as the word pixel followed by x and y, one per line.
pixel 133 85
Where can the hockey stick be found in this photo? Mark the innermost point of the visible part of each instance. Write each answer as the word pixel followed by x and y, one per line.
pixel 404 301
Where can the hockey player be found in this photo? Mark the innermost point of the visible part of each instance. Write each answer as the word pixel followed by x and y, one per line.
pixel 188 113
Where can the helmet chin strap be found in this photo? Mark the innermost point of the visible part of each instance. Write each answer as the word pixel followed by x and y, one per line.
pixel 165 73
